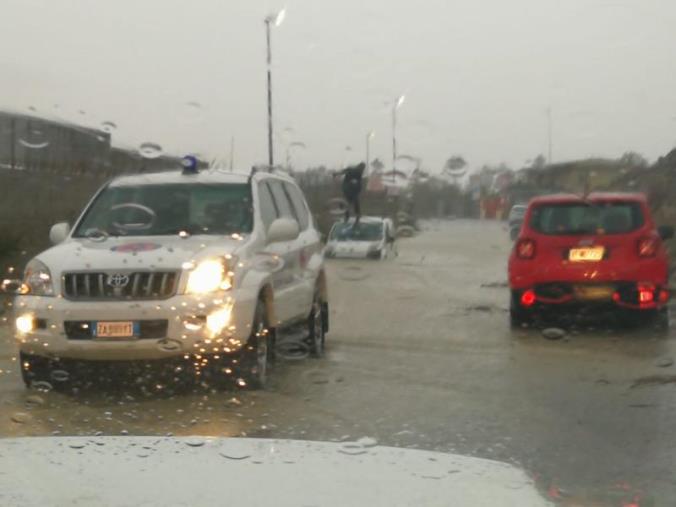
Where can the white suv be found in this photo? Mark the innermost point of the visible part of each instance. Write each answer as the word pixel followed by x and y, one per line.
pixel 202 265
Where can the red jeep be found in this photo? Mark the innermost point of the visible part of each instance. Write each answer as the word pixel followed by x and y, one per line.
pixel 599 252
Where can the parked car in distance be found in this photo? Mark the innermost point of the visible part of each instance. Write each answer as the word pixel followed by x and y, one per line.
pixel 371 238
pixel 602 251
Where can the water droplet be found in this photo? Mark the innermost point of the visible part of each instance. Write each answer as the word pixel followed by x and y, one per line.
pixel 124 432
pixel 292 350
pixel 194 442
pixel 41 386
pixel 150 150
pixel 60 376
pixel 20 417
pixel 352 449
pixel 193 111
pixel 77 445
pixel 34 139
pixel 108 126
pixel 34 400
pixel 367 442
pixel 553 333
pixel 234 450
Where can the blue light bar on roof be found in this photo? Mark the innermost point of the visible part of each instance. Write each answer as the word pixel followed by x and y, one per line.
pixel 189 163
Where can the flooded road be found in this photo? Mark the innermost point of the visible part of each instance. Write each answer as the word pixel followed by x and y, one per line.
pixel 420 354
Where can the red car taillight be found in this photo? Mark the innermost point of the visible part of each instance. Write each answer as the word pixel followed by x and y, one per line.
pixel 525 249
pixel 646 293
pixel 528 298
pixel 647 247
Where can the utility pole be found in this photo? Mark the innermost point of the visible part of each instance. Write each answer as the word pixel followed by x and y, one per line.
pixel 549 132
pixel 12 145
pixel 397 105
pixel 232 153
pixel 275 19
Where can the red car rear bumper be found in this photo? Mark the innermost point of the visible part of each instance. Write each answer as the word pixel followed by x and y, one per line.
pixel 640 285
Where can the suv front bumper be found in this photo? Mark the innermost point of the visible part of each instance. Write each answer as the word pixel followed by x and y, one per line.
pixel 166 328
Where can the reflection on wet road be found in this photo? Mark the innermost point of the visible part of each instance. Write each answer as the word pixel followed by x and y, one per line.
pixel 421 355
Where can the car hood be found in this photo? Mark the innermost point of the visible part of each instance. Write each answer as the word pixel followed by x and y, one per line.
pixel 167 252
pixel 189 471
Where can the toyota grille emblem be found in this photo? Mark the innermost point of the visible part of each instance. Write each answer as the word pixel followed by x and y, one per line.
pixel 118 280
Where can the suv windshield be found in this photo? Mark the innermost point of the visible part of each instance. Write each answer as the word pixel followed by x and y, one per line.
pixel 155 210
pixel 361 232
pixel 582 218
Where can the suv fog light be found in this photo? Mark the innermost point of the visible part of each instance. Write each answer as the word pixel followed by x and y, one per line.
pixel 25 324
pixel 218 320
pixel 194 322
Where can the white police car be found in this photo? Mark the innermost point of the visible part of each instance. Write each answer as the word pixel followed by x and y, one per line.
pixel 371 238
pixel 202 265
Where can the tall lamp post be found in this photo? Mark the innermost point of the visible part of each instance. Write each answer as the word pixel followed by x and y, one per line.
pixel 276 20
pixel 397 105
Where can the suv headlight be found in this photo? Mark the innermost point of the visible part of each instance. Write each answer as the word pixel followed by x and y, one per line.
pixel 209 276
pixel 38 279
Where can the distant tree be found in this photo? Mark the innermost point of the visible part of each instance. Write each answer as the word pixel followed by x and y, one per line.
pixel 454 164
pixel 377 165
pixel 539 162
pixel 633 159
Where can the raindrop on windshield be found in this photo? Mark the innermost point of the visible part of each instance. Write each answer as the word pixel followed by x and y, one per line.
pixel 352 449
pixel 41 386
pixel 34 400
pixel 553 333
pixel 193 111
pixel 150 150
pixel 60 376
pixel 34 139
pixel 167 345
pixel 20 417
pixel 194 442
pixel 108 126
pixel 367 442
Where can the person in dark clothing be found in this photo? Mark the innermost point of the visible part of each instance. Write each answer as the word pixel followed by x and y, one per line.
pixel 352 178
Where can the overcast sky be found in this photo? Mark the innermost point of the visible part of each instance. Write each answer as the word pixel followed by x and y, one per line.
pixel 478 75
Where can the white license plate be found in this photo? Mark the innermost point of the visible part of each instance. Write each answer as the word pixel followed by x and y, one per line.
pixel 115 329
pixel 594 253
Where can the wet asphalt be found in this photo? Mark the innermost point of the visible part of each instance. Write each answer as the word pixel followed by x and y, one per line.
pixel 420 355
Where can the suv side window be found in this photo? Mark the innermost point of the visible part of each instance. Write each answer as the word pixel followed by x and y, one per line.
pixel 281 200
pixel 298 202
pixel 267 204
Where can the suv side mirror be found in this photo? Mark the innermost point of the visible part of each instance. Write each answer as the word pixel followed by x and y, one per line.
pixel 59 232
pixel 665 231
pixel 283 229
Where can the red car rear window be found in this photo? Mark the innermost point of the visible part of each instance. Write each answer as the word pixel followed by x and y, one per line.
pixel 587 218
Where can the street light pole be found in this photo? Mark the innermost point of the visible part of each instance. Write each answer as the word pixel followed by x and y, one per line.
pixel 397 104
pixel 271 157
pixel 275 19
pixel 549 131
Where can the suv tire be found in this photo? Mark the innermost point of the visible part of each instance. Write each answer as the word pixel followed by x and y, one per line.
pixel 254 359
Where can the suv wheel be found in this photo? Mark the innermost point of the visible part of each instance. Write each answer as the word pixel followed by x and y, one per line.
pixel 255 357
pixel 315 322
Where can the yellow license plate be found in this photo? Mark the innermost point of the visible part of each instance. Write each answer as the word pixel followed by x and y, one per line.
pixel 593 292
pixel 114 329
pixel 594 253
